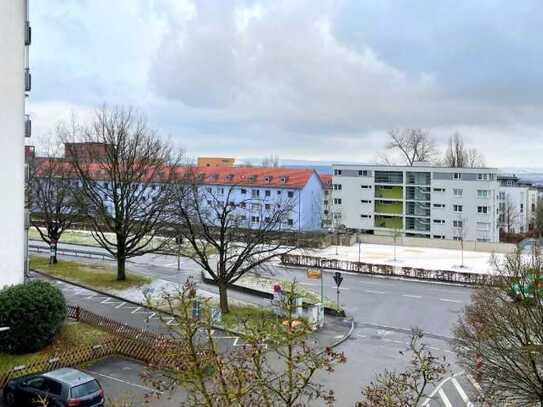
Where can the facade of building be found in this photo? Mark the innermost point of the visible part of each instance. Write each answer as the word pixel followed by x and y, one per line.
pixel 419 201
pixel 327 213
pixel 517 203
pixel 260 189
pixel 15 84
pixel 215 162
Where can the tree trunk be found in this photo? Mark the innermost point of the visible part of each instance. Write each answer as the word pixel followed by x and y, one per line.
pixel 121 274
pixel 223 297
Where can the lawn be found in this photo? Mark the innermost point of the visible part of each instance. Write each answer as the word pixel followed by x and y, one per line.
pixel 72 334
pixel 240 315
pixel 90 275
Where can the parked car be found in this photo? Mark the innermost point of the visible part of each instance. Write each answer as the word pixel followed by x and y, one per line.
pixel 59 388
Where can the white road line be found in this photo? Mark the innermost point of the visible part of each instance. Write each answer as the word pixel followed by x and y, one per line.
pixel 172 322
pixel 411 296
pixel 126 382
pixel 135 310
pixel 151 315
pixel 449 300
pixel 461 391
pixel 120 305
pixel 374 292
pixel 444 398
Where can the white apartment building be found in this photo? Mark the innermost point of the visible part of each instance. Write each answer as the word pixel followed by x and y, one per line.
pixel 419 201
pixel 14 86
pixel 517 203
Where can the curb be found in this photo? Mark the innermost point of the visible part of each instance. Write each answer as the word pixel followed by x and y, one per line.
pixel 347 336
pixel 114 296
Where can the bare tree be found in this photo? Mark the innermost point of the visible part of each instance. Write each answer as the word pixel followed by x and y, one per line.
pixel 413 145
pixel 508 214
pixel 499 339
pixel 53 200
pixel 407 388
pixel 538 218
pixel 271 161
pixel 275 366
pixel 458 156
pixel 231 233
pixel 125 180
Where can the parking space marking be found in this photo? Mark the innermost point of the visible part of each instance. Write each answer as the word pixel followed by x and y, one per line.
pixel 460 391
pixel 125 382
pixel 444 398
pixel 449 300
pixel 411 296
pixel 374 292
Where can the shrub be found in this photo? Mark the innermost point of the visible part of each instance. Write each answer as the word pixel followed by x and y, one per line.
pixel 34 312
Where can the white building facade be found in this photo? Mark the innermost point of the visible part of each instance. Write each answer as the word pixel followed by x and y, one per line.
pixel 14 86
pixel 517 205
pixel 419 201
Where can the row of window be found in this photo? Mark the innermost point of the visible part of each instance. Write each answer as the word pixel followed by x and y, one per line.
pixel 255 193
pixel 256 219
pixel 456 175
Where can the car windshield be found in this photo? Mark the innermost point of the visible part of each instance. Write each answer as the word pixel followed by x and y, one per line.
pixel 84 389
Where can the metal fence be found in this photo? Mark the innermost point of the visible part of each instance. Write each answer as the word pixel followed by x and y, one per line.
pixel 71 252
pixel 449 276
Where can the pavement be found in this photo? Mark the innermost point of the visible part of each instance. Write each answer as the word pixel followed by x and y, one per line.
pixel 383 311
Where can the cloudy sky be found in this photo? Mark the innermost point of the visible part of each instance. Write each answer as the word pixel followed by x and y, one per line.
pixel 307 79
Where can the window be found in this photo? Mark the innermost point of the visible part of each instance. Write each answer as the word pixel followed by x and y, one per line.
pixel 284 179
pixel 255 193
pixel 290 194
pixel 267 206
pixel 336 187
pixel 483 226
pixel 365 216
pixel 458 223
pixel 458 208
pixel 337 201
pixel 243 217
pixel 255 219
pixel 290 222
pixel 458 192
pixel 439 205
pixel 84 389
pixel 438 237
pixel 220 191
pixel 482 209
pixel 53 387
pixel 483 177
pixel 325 202
pixel 243 191
pixel 209 189
pixel 365 201
pixel 242 205
pixel 439 189
pixel 255 207
pixel 365 186
pixel 278 192
pixel 482 193
pixel 457 175
pixel 363 173
pixel 267 193
pixel 439 221
pixel 267 219
pixel 337 172
pixel 268 178
pixel 521 208
pixel 501 196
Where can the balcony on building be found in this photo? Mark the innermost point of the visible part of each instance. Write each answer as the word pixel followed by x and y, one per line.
pixel 388 207
pixel 389 192
pixel 28 80
pixel 388 222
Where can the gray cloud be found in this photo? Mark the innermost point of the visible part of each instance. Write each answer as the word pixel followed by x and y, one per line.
pixel 298 77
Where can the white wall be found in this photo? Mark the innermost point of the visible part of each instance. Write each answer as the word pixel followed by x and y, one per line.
pixel 12 104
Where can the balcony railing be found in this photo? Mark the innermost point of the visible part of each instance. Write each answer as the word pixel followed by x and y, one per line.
pixel 28 34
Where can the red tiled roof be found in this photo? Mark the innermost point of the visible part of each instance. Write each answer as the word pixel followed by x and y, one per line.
pixel 254 176
pixel 326 180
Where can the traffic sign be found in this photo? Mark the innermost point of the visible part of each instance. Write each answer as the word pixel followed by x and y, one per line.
pixel 338 278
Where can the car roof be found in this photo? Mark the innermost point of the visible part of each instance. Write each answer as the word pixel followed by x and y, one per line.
pixel 71 377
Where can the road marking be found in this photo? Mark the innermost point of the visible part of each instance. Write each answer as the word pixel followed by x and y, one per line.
pixel 120 305
pixel 461 391
pixel 411 296
pixel 172 321
pixel 444 398
pixel 374 292
pixel 126 382
pixel 135 310
pixel 449 300
pixel 109 300
pixel 151 315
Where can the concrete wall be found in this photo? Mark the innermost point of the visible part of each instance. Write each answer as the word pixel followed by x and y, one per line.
pixel 505 248
pixel 12 108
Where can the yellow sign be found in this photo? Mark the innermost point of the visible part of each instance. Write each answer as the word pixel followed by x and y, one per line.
pixel 314 274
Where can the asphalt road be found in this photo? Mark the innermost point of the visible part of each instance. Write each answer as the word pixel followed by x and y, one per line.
pixel 384 311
